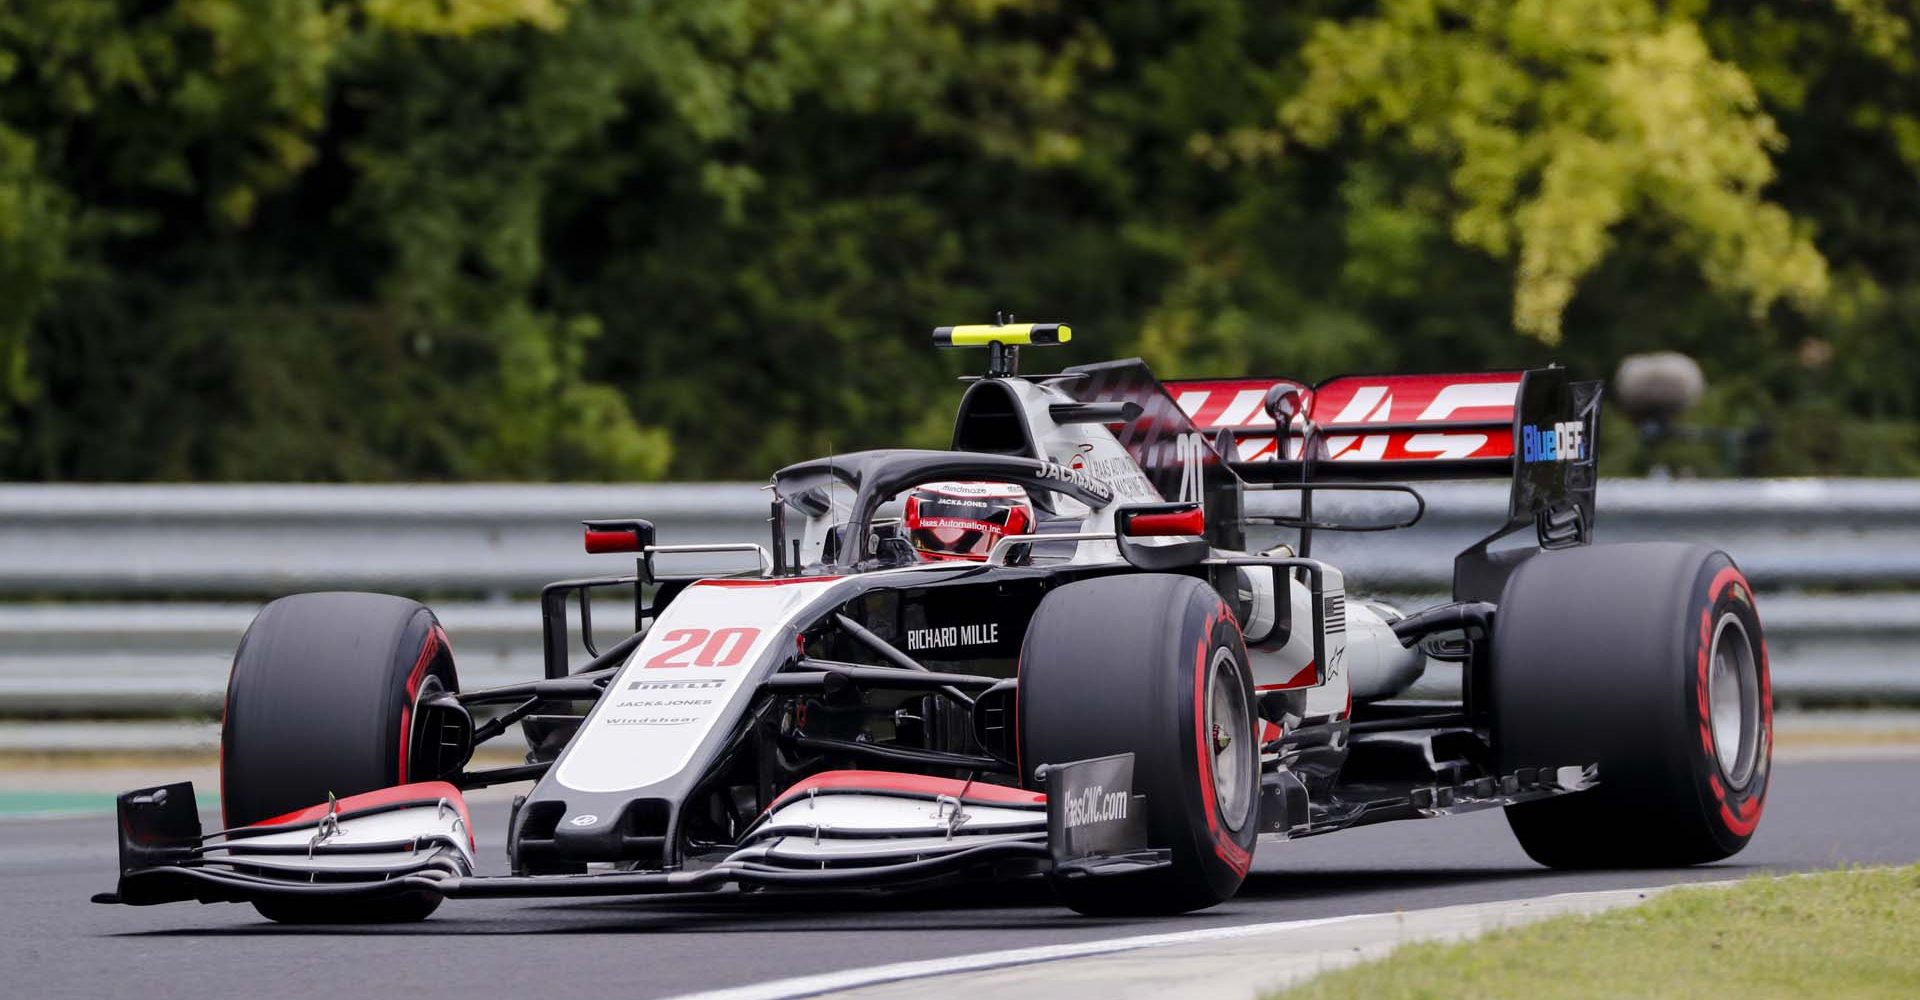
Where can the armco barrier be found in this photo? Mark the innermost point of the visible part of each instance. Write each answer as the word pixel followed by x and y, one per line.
pixel 235 540
pixel 477 552
pixel 75 541
pixel 158 660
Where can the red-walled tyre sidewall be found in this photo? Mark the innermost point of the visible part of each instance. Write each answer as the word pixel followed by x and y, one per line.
pixel 1122 665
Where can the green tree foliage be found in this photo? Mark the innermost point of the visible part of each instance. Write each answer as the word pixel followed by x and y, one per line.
pixel 1556 120
pixel 469 239
pixel 206 282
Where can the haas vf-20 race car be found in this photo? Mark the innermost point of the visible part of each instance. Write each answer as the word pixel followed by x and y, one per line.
pixel 1048 652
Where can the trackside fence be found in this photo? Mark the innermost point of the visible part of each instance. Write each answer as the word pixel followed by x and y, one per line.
pixel 128 600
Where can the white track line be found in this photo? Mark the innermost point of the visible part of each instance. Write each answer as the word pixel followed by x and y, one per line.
pixel 806 986
pixel 831 982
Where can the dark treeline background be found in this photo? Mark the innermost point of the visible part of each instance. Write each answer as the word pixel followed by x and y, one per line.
pixel 615 239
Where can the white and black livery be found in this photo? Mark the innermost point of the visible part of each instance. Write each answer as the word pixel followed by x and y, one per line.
pixel 1117 693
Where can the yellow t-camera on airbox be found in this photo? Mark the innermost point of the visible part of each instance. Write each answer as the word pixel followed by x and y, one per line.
pixel 1010 335
pixel 1003 341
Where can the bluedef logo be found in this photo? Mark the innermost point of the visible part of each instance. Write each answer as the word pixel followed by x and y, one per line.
pixel 1562 442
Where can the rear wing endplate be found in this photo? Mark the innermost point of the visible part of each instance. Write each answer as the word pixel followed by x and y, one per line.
pixel 1556 477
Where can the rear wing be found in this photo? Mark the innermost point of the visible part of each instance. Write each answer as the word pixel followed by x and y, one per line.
pixel 1538 427
pixel 1369 427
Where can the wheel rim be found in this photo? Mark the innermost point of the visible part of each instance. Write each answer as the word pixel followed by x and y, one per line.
pixel 1733 700
pixel 1227 728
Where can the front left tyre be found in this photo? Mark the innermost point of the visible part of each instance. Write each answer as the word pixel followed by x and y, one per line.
pixel 321 702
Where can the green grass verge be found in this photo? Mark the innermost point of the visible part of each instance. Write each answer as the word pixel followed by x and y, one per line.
pixel 1837 934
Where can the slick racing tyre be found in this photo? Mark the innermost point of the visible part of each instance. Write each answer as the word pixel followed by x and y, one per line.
pixel 321 702
pixel 1153 665
pixel 1647 659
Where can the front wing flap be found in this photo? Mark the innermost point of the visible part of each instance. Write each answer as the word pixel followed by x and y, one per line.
pixel 393 841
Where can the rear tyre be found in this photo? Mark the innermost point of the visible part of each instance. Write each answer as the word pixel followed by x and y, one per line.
pixel 321 702
pixel 1649 660
pixel 1153 665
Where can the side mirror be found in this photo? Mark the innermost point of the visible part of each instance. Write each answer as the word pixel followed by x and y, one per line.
pixel 618 536
pixel 1284 402
pixel 1186 521
pixel 1162 521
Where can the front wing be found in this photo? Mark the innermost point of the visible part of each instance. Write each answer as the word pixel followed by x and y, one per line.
pixel 837 830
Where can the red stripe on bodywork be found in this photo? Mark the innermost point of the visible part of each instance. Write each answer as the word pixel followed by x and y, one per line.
pixel 425 793
pixel 1303 679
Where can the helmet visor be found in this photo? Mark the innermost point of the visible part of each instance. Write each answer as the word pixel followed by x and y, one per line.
pixel 958 526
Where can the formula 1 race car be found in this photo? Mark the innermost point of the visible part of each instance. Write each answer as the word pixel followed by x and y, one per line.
pixel 1047 652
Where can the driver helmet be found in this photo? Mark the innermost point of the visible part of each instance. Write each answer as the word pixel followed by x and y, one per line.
pixel 964 520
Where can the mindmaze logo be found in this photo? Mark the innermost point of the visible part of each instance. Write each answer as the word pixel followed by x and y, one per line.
pixel 1562 442
pixel 1094 804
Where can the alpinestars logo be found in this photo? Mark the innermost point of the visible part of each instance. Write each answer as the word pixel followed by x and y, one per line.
pixel 1095 805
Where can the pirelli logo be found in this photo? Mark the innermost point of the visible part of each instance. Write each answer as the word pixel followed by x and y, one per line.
pixel 676 685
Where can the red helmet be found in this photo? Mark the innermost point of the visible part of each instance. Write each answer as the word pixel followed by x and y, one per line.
pixel 965 520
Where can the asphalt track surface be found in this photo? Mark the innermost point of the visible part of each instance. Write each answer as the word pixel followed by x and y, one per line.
pixel 54 943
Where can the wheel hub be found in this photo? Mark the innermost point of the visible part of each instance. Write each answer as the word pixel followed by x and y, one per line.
pixel 1227 712
pixel 1733 700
